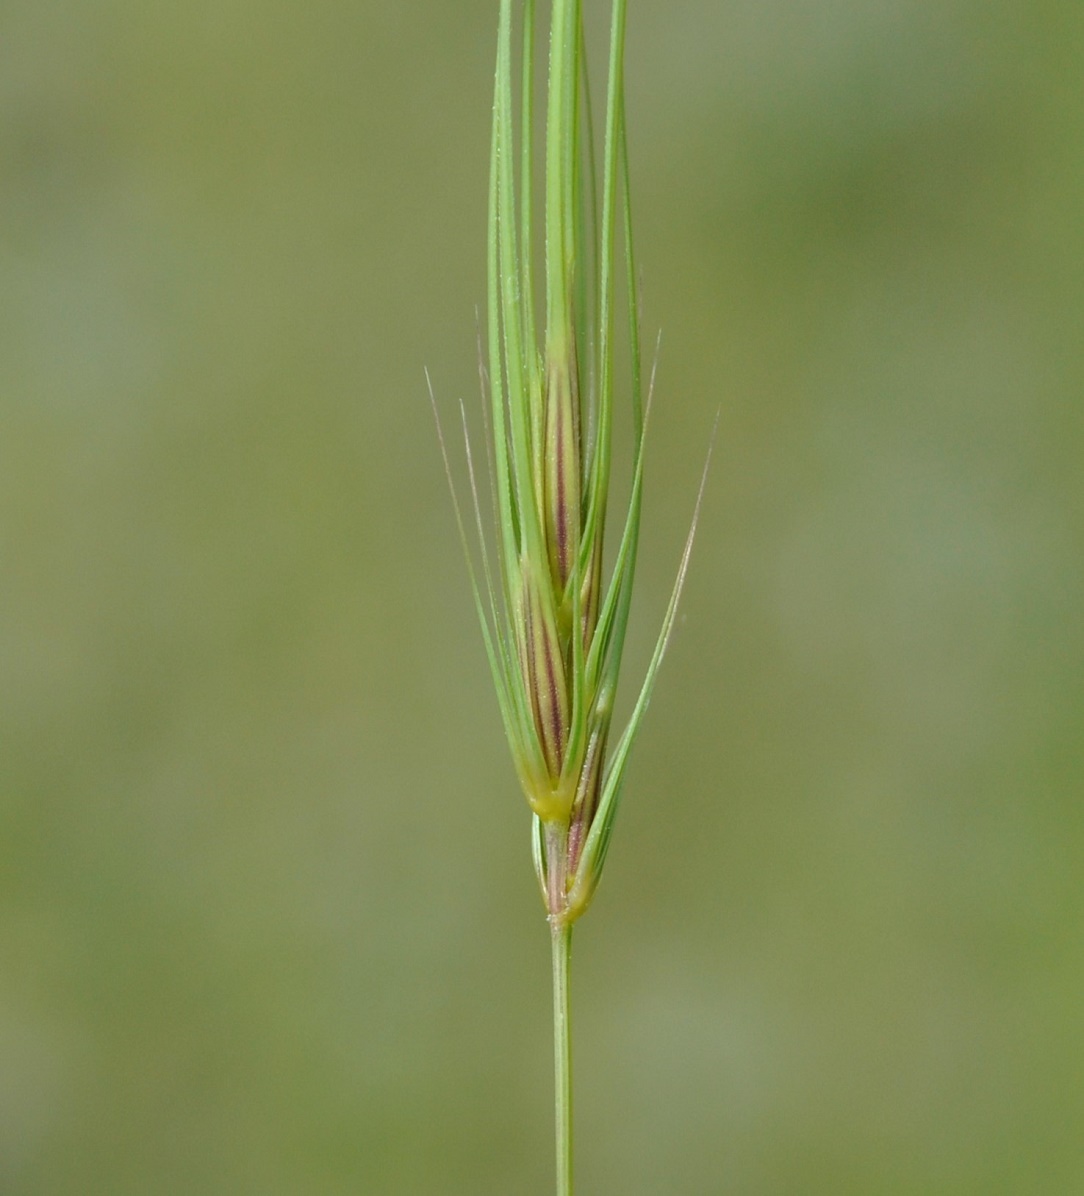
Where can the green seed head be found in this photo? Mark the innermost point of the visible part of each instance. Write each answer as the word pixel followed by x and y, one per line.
pixel 553 622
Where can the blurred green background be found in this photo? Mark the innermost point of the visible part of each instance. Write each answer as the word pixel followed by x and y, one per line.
pixel 267 918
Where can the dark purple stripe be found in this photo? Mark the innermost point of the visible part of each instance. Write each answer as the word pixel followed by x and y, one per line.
pixel 555 704
pixel 528 650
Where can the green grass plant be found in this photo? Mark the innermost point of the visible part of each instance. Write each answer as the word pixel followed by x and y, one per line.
pixel 553 611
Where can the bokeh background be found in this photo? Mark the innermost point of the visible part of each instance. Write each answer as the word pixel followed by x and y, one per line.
pixel 267 918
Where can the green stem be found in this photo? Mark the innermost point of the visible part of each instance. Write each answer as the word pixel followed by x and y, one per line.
pixel 562 1054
